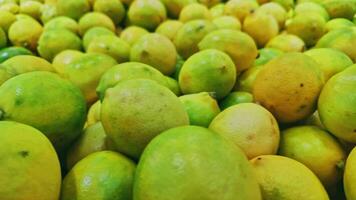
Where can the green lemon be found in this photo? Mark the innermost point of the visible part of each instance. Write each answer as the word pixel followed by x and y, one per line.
pixel 112 8
pixel 190 162
pixel 62 22
pixel 208 71
pixel 31 8
pixel 7 18
pixel 102 175
pixel 72 8
pixel 25 33
pixel 135 111
pixel 235 98
pixel 95 19
pixel 227 22
pixel 169 28
pixel 93 33
pixel 201 108
pixel 194 11
pixel 112 46
pixel 47 102
pixel 133 33
pixel 64 58
pixel 27 63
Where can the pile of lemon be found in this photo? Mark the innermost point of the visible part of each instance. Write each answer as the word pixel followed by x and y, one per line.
pixel 177 100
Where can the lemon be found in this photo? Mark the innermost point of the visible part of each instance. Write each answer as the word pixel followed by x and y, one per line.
pixel 7 18
pixel 317 150
pixel 276 10
pixel 25 33
pixel 110 45
pixel 49 47
pixel 194 11
pixel 86 71
pixel 250 127
pixel 205 162
pixel 190 34
pixel 62 22
pixel 49 11
pixel 133 33
pixel 217 10
pixel 238 45
pixel 135 111
pixel 72 8
pixel 349 176
pixel 110 168
pixel 208 71
pixel 309 27
pixel 293 96
pixel 330 61
pixel 335 103
pixel 340 8
pixel 112 8
pixel 174 7
pixel 240 8
pixel 209 3
pixel 284 178
pixel 93 139
pixel 64 58
pixel 28 158
pixel 261 27
pixel 45 101
pixel 227 22
pixel 235 98
pixel 128 71
pixel 94 114
pixel 169 28
pixel 201 108
pixel 162 57
pixel 31 8
pixel 95 19
pixel 146 13
pixel 10 7
pixel 9 52
pixel 287 43
pixel 173 85
pixel 266 54
pixel 338 23
pixel 27 63
pixel 311 7
pixel 93 33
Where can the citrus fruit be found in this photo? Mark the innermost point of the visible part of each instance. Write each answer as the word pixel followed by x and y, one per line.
pixel 261 27
pixel 28 158
pixel 338 23
pixel 132 33
pixel 240 8
pixel 31 8
pixel 169 28
pixel 284 178
pixel 201 108
pixel 146 13
pixel 330 61
pixel 135 111
pixel 205 161
pixel 238 45
pixel 335 103
pixel 309 27
pixel 38 99
pixel 311 7
pixel 227 22
pixel 287 4
pixel 49 11
pixel 27 63
pixel 85 72
pixel 317 150
pixel 190 34
pixel 293 96
pixel 128 71
pixel 174 7
pixel 93 139
pixel 9 52
pixel 7 18
pixel 276 10
pixel 62 22
pixel 48 45
pixel 250 127
pixel 112 8
pixel 217 10
pixel 162 57
pixel 267 54
pixel 235 98
pixel 72 8
pixel 25 33
pixel 110 45
pixel 349 176
pixel 64 58
pixel 194 11
pixel 287 43
pixel 94 113
pixel 10 7
pixel 208 71
pixel 209 3
pixel 340 8
pixel 110 177
pixel 95 19
pixel 3 38
pixel 95 32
